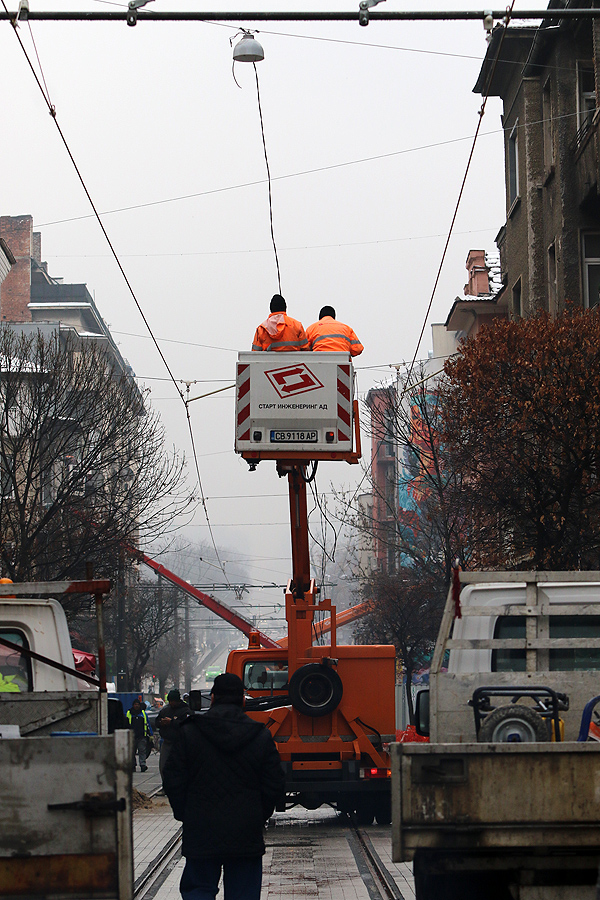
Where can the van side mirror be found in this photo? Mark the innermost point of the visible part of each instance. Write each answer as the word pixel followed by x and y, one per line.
pixel 422 713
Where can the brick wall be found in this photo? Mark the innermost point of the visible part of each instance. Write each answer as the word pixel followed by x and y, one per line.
pixel 15 290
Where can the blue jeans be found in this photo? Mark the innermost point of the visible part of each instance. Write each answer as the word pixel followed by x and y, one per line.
pixel 242 878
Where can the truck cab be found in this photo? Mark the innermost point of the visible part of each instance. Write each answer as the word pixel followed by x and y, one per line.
pixel 40 625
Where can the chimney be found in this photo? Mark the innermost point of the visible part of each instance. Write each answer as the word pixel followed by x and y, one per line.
pixel 15 291
pixel 479 282
pixel 37 247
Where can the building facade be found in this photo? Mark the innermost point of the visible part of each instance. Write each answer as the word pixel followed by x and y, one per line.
pixel 547 78
pixel 32 300
pixel 394 502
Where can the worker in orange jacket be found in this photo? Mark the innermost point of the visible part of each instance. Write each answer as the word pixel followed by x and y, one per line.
pixel 332 336
pixel 280 332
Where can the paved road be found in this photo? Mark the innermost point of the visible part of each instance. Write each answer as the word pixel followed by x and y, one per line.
pixel 309 854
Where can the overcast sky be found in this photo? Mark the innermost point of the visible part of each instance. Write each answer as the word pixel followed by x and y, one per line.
pixel 368 133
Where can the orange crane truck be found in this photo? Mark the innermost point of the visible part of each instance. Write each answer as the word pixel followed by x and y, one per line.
pixel 330 708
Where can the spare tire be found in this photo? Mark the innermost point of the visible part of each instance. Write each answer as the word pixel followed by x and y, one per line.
pixel 518 724
pixel 315 690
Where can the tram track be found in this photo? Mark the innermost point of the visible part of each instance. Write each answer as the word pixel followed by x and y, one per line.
pixel 378 880
pixel 148 884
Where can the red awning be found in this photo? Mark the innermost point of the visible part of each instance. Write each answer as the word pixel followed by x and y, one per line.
pixel 84 662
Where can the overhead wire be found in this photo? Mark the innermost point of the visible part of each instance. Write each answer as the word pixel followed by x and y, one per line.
pixel 445 250
pixel 463 183
pixel 299 174
pixel 53 114
pixel 262 131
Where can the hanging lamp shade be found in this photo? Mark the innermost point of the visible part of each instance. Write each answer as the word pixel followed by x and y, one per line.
pixel 248 50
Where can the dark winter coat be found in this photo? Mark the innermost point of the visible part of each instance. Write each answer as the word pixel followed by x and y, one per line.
pixel 223 778
pixel 169 732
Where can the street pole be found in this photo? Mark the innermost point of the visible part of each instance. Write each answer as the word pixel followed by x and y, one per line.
pixel 186 660
pixel 122 679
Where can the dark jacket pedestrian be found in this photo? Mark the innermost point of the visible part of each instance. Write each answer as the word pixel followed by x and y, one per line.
pixel 167 722
pixel 223 779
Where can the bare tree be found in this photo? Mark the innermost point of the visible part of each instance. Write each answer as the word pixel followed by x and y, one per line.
pixel 414 524
pixel 83 465
pixel 416 513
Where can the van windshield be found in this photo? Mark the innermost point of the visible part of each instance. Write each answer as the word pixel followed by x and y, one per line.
pixel 15 667
pixel 266 675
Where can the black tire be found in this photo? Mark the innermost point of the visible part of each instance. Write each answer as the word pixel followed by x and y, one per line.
pixel 520 724
pixel 383 809
pixel 365 811
pixel 315 690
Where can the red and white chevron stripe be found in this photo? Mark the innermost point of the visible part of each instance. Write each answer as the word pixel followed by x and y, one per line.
pixel 344 398
pixel 243 402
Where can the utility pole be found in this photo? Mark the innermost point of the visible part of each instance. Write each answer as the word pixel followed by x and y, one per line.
pixel 122 679
pixel 187 663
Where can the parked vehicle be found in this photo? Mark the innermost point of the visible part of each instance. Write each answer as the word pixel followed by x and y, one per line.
pixel 500 805
pixel 65 782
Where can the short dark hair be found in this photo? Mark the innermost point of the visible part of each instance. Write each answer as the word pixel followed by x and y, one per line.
pixel 173 694
pixel 277 304
pixel 228 688
pixel 327 311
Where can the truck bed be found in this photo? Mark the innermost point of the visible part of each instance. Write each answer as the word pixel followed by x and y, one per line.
pixel 472 798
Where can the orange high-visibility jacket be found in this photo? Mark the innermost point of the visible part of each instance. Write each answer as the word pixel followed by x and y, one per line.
pixel 280 332
pixel 329 334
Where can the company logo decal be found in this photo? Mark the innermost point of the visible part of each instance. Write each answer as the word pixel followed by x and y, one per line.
pixel 293 380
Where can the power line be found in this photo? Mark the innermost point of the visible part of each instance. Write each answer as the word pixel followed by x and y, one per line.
pixel 492 72
pixel 246 184
pixel 52 111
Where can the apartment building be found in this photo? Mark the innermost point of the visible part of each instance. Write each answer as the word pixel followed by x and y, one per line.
pixel 547 78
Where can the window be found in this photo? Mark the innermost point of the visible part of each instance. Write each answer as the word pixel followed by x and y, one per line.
pixel 388 438
pixel 513 166
pixel 586 97
pixel 265 675
pixel 591 269
pixel 552 297
pixel 516 299
pixel 548 128
pixel 15 667
pixel 563 659
pixel 576 659
pixel 509 660
pixel 6 478
pixel 390 492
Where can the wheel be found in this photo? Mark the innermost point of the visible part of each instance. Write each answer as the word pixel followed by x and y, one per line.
pixel 315 690
pixel 383 810
pixel 518 724
pixel 365 811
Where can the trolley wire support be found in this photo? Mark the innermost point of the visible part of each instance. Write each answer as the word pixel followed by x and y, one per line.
pixel 304 16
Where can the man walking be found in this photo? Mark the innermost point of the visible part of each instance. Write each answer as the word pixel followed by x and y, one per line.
pixel 137 720
pixel 329 335
pixel 223 779
pixel 280 332
pixel 167 722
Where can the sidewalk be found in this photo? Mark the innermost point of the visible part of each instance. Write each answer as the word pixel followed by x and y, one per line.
pixel 309 854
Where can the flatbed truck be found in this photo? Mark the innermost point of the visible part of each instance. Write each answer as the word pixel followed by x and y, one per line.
pixel 502 804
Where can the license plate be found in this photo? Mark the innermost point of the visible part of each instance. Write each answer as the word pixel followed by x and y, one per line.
pixel 293 437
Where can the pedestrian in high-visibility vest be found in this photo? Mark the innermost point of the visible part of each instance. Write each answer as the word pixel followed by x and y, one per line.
pixel 332 336
pixel 280 332
pixel 142 730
